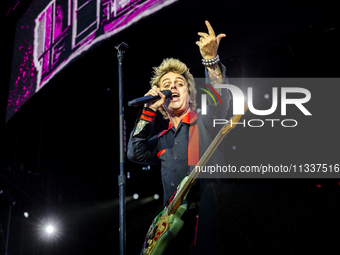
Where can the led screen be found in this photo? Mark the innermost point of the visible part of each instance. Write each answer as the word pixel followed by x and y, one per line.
pixel 52 33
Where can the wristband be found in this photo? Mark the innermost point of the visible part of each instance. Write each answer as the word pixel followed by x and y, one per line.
pixel 210 62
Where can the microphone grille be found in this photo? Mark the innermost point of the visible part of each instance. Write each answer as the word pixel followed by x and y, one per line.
pixel 167 93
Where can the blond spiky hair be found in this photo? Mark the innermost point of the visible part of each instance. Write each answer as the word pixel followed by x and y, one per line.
pixel 175 66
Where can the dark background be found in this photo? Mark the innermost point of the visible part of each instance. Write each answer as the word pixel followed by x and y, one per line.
pixel 59 157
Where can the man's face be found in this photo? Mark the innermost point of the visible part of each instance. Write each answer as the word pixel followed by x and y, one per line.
pixel 179 103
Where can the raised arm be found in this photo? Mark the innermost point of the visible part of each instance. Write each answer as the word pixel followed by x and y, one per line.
pixel 208 46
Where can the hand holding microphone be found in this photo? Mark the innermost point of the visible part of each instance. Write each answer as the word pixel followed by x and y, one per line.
pixel 154 99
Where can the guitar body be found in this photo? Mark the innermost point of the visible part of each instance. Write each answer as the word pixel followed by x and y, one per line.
pixel 164 228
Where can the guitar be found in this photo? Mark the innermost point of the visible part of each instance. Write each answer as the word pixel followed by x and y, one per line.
pixel 167 224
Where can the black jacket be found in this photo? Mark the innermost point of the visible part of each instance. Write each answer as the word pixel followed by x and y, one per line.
pixel 170 148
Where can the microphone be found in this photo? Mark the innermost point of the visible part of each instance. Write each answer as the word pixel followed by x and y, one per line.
pixel 147 99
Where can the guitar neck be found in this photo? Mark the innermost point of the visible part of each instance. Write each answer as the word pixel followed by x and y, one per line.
pixel 177 201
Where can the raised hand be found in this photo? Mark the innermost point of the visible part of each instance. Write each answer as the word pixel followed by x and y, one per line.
pixel 208 43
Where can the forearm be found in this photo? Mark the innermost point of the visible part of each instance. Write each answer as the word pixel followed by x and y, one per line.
pixel 139 127
pixel 139 146
pixel 215 76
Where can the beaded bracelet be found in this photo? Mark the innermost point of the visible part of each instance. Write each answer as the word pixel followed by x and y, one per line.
pixel 210 62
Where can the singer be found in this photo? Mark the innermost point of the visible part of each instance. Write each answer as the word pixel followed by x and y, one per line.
pixel 179 148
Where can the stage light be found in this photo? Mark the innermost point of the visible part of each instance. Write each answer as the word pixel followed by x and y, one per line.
pixel 156 196
pixel 49 229
pixel 26 214
pixel 135 196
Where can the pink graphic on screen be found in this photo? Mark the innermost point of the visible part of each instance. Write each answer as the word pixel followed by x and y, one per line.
pixel 64 29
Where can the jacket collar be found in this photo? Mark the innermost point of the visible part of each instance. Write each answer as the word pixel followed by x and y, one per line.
pixel 189 118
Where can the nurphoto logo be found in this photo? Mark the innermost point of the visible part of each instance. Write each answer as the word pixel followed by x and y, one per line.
pixel 239 101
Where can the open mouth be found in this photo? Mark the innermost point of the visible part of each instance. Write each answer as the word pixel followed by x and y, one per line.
pixel 174 97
